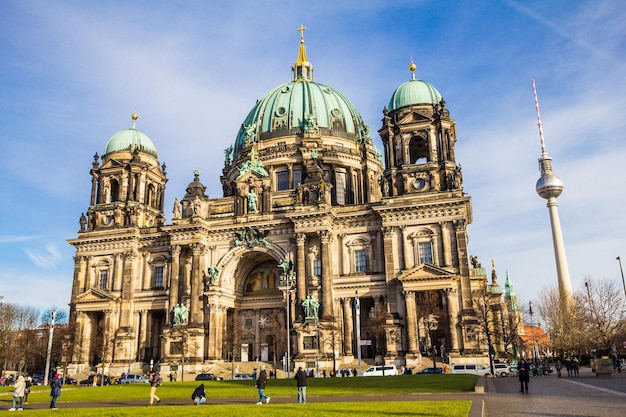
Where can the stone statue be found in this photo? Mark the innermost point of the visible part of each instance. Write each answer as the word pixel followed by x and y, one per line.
pixel 180 315
pixel 249 132
pixel 311 307
pixel 213 271
pixel 82 222
pixel 285 265
pixel 252 202
pixel 177 209
pixel 227 152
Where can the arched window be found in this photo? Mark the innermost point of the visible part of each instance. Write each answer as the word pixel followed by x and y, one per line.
pixel 418 149
pixel 115 191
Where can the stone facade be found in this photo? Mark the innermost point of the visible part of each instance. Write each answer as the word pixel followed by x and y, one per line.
pixel 313 203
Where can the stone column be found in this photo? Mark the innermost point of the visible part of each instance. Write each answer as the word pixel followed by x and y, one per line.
pixel 214 330
pixel 257 335
pixel 94 186
pixel 82 346
pixel 461 247
pixel 347 326
pixel 453 317
pixel 390 269
pixel 446 245
pixel 327 289
pixel 411 321
pixel 128 289
pixel 301 268
pixel 119 269
pixel 341 253
pixel 197 285
pixel 408 253
pixel 78 282
pixel 173 301
pixel 147 271
pixel 143 333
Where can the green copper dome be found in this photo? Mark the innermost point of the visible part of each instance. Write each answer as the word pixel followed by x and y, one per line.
pixel 131 139
pixel 414 92
pixel 302 106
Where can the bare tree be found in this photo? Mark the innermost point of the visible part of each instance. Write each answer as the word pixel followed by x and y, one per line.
pixel 375 326
pixel 488 311
pixel 16 325
pixel 563 322
pixel 604 312
pixel 429 310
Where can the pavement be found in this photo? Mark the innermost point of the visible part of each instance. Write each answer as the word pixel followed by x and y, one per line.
pixel 549 396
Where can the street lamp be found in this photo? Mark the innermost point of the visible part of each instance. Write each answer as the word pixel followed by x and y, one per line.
pixel 287 282
pixel 622 271
pixel 532 330
pixel 49 351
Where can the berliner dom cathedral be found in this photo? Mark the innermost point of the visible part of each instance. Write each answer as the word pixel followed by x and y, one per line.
pixel 322 249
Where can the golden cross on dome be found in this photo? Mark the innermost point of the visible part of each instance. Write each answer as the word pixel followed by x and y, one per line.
pixel 301 29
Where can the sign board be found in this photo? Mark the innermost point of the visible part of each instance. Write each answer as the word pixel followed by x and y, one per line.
pixel 366 343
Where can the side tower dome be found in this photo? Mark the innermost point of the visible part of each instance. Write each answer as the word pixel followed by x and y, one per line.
pixel 414 92
pixel 129 186
pixel 419 138
pixel 131 139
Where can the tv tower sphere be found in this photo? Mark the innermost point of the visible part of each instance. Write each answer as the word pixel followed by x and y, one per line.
pixel 549 185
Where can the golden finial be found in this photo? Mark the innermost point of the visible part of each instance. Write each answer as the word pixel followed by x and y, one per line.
pixel 134 116
pixel 412 68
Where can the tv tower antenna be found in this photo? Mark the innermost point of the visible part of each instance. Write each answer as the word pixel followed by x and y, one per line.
pixel 549 186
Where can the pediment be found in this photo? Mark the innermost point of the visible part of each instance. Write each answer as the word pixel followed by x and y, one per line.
pixel 94 295
pixel 250 177
pixel 414 117
pixel 426 272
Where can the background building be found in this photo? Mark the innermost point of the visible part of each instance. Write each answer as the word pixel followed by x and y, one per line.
pixel 307 196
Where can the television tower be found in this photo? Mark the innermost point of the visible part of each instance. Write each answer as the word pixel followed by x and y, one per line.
pixel 549 186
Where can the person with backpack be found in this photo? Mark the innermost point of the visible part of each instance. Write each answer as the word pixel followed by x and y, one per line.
pixel 260 384
pixel 198 395
pixel 55 390
pixel 155 382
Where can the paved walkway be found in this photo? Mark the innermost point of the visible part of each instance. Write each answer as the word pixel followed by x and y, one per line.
pixel 587 396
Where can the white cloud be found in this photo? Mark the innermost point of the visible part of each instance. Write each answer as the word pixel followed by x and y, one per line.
pixel 45 258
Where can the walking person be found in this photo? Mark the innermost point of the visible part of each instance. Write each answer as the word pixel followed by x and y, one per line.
pixel 20 386
pixel 301 383
pixel 198 396
pixel 523 371
pixel 55 390
pixel 558 365
pixel 576 366
pixel 155 382
pixel 261 382
pixel 29 383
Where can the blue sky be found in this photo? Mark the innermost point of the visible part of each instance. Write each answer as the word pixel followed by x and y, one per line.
pixel 71 74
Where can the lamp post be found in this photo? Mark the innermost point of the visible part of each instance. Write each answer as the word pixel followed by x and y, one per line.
pixel 357 308
pixel 49 351
pixel 287 281
pixel 622 271
pixel 532 330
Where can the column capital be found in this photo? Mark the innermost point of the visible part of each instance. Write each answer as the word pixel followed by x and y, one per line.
pixel 387 231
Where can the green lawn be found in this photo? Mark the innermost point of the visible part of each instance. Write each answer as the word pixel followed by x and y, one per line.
pixel 318 389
